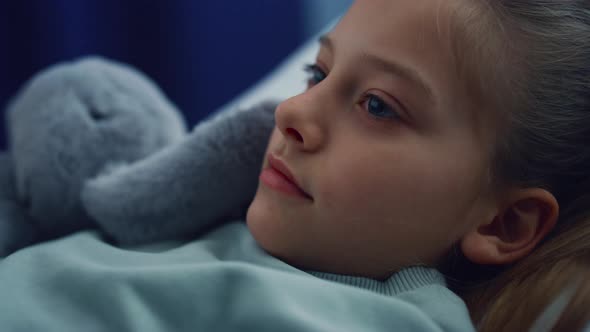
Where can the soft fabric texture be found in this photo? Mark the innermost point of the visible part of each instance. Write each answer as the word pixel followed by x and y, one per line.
pixel 16 227
pixel 72 119
pixel 96 143
pixel 220 282
pixel 209 176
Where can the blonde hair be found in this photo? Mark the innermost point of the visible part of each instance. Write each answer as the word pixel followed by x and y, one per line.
pixel 530 61
pixel 517 298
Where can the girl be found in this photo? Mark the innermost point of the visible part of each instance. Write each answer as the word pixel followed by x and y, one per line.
pixel 431 125
pixel 435 136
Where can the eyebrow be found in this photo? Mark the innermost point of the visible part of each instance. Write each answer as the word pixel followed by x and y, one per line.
pixel 397 69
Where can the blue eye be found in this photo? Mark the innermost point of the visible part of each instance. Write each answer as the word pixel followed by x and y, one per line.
pixel 380 109
pixel 316 75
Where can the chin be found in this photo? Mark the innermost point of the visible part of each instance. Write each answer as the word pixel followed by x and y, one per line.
pixel 257 225
pixel 262 224
pixel 251 215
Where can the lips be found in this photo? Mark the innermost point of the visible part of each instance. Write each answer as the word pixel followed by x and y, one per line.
pixel 279 177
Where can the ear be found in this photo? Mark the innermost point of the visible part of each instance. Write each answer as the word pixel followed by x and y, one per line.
pixel 522 221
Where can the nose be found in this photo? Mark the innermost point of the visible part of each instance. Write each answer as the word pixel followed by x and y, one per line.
pixel 300 121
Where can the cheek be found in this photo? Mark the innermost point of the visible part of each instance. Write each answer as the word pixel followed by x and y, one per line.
pixel 409 188
pixel 360 187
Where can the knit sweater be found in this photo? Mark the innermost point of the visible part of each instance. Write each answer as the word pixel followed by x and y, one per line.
pixel 222 281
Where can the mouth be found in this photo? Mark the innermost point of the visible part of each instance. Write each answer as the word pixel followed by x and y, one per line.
pixel 278 177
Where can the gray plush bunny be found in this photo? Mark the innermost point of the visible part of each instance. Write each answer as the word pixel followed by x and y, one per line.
pixel 96 143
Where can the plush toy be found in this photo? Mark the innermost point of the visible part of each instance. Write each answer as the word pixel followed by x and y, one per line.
pixel 95 143
pixel 65 126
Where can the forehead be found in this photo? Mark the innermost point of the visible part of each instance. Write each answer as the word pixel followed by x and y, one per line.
pixel 418 34
pixel 400 8
pixel 416 23
pixel 412 33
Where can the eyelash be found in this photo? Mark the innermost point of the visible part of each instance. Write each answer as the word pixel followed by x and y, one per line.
pixel 312 70
pixel 316 75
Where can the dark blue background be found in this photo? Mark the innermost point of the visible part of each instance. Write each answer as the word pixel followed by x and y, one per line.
pixel 201 53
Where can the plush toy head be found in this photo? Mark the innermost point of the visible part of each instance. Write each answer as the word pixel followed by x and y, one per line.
pixel 71 121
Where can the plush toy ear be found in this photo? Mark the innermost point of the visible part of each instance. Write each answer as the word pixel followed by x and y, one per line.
pixel 209 176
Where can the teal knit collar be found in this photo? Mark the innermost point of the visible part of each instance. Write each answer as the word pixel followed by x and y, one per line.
pixel 405 280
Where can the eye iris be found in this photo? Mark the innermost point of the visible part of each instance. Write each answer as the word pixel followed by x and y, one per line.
pixel 318 76
pixel 376 106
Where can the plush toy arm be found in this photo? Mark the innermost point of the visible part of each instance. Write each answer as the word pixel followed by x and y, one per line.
pixel 209 176
pixel 16 228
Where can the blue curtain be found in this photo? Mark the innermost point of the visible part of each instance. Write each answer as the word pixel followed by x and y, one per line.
pixel 202 53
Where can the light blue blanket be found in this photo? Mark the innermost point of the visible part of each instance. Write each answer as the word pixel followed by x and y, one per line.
pixel 220 282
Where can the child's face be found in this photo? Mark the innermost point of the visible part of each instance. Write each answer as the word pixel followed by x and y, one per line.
pixel 391 151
